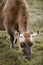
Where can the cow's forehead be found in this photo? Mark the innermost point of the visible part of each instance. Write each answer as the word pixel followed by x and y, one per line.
pixel 26 34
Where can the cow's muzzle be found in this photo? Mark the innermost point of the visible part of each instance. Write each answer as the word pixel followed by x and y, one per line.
pixel 26 50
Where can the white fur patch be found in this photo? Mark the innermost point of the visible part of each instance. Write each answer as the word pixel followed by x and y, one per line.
pixel 21 38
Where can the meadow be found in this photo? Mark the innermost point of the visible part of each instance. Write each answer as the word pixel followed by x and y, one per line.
pixel 10 56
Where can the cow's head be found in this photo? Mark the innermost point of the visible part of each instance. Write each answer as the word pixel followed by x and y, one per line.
pixel 26 42
pixel 26 38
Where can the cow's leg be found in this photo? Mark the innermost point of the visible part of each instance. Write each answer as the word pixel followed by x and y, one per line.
pixel 10 32
pixel 15 40
pixel 12 39
pixel 16 36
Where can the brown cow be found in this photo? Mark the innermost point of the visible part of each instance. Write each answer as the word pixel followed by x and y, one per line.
pixel 16 15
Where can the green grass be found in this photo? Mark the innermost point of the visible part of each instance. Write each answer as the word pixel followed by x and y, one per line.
pixel 35 14
pixel 10 56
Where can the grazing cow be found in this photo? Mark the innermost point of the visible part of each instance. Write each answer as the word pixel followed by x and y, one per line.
pixel 16 15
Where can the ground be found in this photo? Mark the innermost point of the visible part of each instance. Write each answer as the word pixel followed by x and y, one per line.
pixel 10 56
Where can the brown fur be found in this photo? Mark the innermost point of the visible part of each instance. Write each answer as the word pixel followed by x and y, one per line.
pixel 15 15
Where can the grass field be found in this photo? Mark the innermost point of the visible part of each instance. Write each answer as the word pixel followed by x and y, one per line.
pixel 13 57
pixel 35 14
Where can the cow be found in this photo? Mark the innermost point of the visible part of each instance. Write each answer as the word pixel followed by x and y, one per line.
pixel 16 16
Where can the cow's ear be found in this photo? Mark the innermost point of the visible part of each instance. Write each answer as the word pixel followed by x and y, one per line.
pixel 34 34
